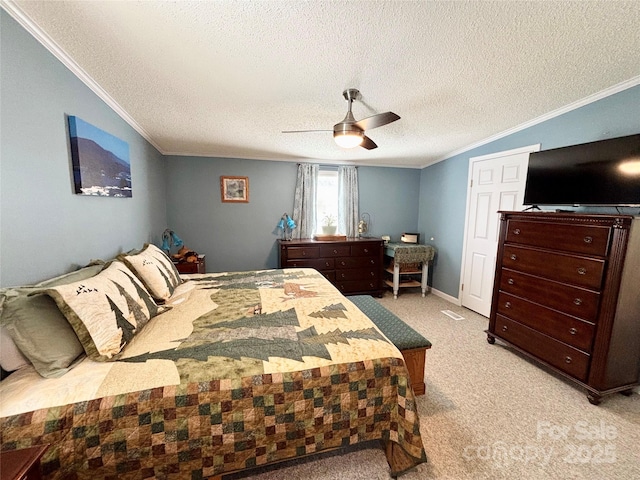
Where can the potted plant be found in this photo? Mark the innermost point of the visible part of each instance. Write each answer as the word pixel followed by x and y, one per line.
pixel 328 225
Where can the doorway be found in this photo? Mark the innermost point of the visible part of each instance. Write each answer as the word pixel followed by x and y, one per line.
pixel 496 182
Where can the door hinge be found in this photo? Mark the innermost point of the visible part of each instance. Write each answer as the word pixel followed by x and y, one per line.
pixel 471 186
pixel 462 288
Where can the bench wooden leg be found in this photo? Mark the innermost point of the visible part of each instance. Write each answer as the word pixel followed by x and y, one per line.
pixel 414 360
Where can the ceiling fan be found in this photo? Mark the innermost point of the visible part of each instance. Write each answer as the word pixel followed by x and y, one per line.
pixel 349 133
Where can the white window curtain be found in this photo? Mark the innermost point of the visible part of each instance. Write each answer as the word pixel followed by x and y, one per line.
pixel 304 202
pixel 348 201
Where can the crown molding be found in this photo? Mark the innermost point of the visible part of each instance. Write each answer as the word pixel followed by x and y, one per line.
pixel 632 82
pixel 47 42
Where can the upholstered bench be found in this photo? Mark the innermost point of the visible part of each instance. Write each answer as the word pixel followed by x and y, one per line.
pixel 411 344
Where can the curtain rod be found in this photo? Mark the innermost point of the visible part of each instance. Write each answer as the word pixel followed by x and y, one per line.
pixel 334 165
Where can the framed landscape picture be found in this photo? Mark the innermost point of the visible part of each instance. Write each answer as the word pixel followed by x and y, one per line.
pixel 101 165
pixel 234 189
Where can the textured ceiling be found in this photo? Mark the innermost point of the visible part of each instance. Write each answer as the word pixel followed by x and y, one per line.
pixel 224 78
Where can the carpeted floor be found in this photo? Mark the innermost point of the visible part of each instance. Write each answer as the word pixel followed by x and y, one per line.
pixel 489 413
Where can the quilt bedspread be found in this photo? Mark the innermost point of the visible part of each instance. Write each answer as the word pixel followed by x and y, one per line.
pixel 245 369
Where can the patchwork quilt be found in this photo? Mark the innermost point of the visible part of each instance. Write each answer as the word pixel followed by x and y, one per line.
pixel 243 369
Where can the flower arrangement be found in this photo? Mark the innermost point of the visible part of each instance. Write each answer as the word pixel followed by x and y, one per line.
pixel 329 220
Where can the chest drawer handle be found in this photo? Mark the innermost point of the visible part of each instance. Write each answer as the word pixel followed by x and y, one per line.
pixel 573 331
pixel 513 256
pixel 507 305
pixel 588 239
pixel 335 251
pixel 510 281
pixel 505 328
pixel 366 250
pixel 373 274
pixel 577 301
pixel 516 231
pixel 582 271
pixel 304 254
pixel 326 264
pixel 568 359
pixel 343 263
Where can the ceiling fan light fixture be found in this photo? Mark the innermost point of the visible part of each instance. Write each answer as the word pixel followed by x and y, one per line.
pixel 349 139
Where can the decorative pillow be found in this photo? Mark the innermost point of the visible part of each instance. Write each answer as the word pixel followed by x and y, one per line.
pixel 155 269
pixel 33 321
pixel 105 311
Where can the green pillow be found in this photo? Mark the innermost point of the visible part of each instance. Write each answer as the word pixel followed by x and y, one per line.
pixel 106 310
pixel 39 329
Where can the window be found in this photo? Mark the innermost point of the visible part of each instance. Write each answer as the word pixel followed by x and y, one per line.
pixel 326 196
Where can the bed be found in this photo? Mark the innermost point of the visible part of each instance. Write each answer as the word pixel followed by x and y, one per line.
pixel 233 371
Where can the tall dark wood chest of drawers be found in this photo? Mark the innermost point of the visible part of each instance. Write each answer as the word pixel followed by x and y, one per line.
pixel 567 293
pixel 354 265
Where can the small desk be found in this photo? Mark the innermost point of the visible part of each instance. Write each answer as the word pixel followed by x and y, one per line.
pixel 403 253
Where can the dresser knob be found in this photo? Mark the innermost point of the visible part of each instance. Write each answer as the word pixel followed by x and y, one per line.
pixel 507 305
pixel 588 239
pixel 582 271
pixel 366 250
pixel 577 301
pixel 516 231
pixel 573 331
pixel 567 359
pixel 326 264
pixel 335 251
pixel 513 256
pixel 373 274
pixel 342 263
pixel 510 281
pixel 505 328
pixel 372 262
pixel 304 254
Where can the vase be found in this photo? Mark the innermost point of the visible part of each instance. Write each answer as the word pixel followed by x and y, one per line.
pixel 329 229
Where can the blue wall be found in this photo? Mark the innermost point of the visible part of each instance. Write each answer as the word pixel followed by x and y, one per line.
pixel 242 236
pixel 45 229
pixel 443 186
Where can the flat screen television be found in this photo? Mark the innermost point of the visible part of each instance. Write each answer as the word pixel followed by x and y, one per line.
pixel 602 173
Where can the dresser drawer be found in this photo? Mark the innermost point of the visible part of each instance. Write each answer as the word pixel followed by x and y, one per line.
pixel 357 262
pixel 555 353
pixel 573 269
pixel 353 286
pixel 317 263
pixel 367 249
pixel 575 301
pixel 357 274
pixel 584 239
pixel 335 250
pixel 303 252
pixel 565 328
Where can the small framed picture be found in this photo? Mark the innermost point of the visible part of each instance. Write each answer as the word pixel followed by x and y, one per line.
pixel 234 189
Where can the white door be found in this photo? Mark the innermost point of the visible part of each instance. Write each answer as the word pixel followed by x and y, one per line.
pixel 497 182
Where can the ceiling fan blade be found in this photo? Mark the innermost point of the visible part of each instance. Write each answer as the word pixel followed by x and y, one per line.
pixel 368 143
pixel 377 120
pixel 304 131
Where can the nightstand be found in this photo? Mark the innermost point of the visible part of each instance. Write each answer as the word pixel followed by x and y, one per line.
pixel 22 464
pixel 192 267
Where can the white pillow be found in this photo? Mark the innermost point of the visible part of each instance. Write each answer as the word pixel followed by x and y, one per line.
pixel 11 358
